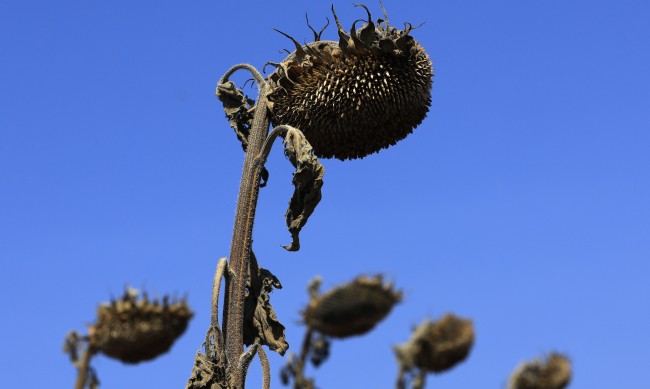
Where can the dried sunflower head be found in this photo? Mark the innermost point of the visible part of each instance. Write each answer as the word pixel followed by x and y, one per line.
pixel 351 309
pixel 356 96
pixel 133 329
pixel 552 373
pixel 437 346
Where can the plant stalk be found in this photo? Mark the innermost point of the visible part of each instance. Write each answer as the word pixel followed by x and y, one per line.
pixel 240 249
pixel 299 378
pixel 82 369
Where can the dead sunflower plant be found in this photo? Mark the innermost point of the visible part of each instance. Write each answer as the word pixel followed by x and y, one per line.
pixel 344 99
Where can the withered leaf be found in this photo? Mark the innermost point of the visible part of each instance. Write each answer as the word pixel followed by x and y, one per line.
pixel 72 346
pixel 210 370
pixel 320 349
pixel 239 110
pixel 93 380
pixel 307 180
pixel 260 320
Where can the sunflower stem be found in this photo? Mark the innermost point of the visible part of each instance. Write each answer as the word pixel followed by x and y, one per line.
pixel 265 150
pixel 245 360
pixel 222 267
pixel 82 368
pixel 420 379
pixel 254 72
pixel 299 378
pixel 233 325
pixel 266 368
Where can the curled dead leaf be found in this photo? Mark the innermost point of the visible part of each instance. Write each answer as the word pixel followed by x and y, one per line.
pixel 260 321
pixel 307 180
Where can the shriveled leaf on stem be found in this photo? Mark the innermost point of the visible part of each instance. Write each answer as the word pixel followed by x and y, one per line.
pixel 239 110
pixel 320 349
pixel 307 180
pixel 72 345
pixel 293 371
pixel 260 320
pixel 210 370
pixel 93 380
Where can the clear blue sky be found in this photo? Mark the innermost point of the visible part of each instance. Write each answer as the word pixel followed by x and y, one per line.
pixel 522 201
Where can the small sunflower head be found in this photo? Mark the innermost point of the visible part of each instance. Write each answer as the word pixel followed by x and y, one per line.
pixel 351 309
pixel 552 373
pixel 133 329
pixel 437 346
pixel 356 96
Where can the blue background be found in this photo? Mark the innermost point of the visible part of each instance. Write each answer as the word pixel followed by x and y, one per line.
pixel 522 201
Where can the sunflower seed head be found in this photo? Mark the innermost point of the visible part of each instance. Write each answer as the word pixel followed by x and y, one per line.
pixel 353 308
pixel 354 97
pixel 133 329
pixel 437 346
pixel 553 372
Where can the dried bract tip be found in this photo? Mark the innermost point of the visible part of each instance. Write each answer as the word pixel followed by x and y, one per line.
pixel 437 346
pixel 72 345
pixel 351 309
pixel 319 350
pixel 353 97
pixel 552 373
pixel 133 329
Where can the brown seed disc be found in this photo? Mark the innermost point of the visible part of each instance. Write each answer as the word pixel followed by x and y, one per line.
pixel 438 346
pixel 133 331
pixel 553 373
pixel 351 309
pixel 357 96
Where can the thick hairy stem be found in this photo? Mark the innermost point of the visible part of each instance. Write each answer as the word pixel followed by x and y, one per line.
pixel 256 74
pixel 266 368
pixel 420 380
pixel 299 378
pixel 82 369
pixel 245 360
pixel 242 235
pixel 247 357
pixel 216 285
pixel 260 160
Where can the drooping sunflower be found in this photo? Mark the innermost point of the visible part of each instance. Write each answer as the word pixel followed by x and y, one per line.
pixel 552 372
pixel 437 346
pixel 133 329
pixel 352 309
pixel 353 97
